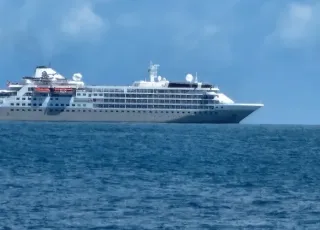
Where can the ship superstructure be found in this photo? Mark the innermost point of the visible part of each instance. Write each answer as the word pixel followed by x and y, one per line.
pixel 49 96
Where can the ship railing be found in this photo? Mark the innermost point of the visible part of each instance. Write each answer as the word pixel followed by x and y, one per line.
pixel 48 80
pixel 82 100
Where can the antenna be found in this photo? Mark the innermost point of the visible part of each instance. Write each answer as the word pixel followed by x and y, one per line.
pixel 196 80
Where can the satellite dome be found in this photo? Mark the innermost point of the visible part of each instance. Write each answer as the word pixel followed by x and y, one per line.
pixel 77 77
pixel 189 77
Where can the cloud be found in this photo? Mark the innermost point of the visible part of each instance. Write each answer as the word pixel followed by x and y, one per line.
pixel 199 37
pixel 81 22
pixel 190 32
pixel 193 36
pixel 298 25
pixel 49 27
pixel 46 26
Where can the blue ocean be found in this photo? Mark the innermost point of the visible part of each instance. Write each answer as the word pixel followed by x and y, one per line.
pixel 158 176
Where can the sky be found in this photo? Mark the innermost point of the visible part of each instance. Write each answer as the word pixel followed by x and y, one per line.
pixel 254 51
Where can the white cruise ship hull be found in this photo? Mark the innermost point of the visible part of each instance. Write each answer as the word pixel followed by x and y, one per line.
pixel 49 96
pixel 233 113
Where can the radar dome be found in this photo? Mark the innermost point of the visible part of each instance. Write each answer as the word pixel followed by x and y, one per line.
pixel 159 78
pixel 189 77
pixel 77 77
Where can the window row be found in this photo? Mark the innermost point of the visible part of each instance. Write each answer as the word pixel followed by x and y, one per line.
pixel 37 98
pixel 155 101
pixel 136 90
pixel 165 106
pixel 59 105
pixel 122 111
pixel 154 106
pixel 194 96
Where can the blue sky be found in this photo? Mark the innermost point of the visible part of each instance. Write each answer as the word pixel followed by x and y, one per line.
pixel 254 50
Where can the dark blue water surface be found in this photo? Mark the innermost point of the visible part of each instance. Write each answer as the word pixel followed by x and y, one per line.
pixel 159 176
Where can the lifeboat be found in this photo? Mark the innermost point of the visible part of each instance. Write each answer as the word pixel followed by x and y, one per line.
pixel 42 90
pixel 64 90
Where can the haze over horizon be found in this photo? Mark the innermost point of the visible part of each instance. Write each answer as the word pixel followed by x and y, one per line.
pixel 255 51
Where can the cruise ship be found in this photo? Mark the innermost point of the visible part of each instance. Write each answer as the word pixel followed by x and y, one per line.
pixel 49 96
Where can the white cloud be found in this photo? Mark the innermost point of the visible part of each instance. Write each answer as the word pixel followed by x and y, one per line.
pixel 202 37
pixel 82 22
pixel 194 35
pixel 299 25
pixel 296 24
pixel 47 26
pixel 190 32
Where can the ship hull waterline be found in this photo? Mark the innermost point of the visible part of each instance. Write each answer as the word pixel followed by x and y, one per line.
pixel 125 115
